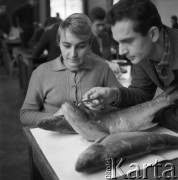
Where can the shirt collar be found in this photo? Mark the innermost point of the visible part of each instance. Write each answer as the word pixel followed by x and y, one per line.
pixel 166 54
pixel 163 67
pixel 57 64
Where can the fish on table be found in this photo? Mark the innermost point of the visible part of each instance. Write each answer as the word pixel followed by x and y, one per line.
pixel 117 133
pixel 122 145
pixel 93 126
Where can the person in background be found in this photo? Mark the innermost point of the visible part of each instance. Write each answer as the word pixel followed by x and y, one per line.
pixel 101 44
pixel 47 41
pixel 58 17
pixel 174 22
pixel 23 18
pixel 69 76
pixel 152 49
pixel 101 41
pixel 38 31
pixel 5 24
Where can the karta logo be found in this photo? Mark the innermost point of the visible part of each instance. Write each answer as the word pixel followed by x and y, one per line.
pixel 135 171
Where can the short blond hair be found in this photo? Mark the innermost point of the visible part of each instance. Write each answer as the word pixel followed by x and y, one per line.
pixel 78 24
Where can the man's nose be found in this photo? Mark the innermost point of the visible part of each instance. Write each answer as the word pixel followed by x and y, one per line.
pixel 122 49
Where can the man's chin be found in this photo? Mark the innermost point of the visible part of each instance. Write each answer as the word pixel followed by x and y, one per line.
pixel 135 61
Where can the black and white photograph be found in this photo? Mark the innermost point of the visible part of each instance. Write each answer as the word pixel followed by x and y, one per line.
pixel 88 89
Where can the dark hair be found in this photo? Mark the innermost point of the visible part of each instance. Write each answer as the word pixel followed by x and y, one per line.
pixel 174 18
pixel 97 13
pixel 143 13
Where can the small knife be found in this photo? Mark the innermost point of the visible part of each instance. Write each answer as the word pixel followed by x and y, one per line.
pixel 82 101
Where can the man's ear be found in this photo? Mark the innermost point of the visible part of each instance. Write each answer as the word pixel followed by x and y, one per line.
pixel 154 33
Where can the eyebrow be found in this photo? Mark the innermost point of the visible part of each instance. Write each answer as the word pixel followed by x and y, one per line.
pixel 127 39
pixel 83 42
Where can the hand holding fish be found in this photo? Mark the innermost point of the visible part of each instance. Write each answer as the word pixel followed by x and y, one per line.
pixel 102 95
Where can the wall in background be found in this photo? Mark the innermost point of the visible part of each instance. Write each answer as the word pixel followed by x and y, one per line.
pixel 43 14
pixel 105 4
pixel 167 8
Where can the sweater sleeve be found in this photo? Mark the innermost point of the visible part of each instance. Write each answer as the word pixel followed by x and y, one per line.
pixel 141 89
pixel 31 110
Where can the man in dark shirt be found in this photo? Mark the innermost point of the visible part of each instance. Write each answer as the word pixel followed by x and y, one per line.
pixel 152 48
pixel 23 17
pixel 174 22
pixel 48 42
pixel 101 44
pixel 101 41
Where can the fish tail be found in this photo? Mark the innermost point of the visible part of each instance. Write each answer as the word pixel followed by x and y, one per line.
pixel 55 123
pixel 148 126
pixel 46 121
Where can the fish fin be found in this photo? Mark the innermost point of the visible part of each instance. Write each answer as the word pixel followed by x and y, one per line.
pixel 168 91
pixel 171 89
pixel 148 126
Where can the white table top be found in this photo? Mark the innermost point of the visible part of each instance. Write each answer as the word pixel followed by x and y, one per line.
pixel 62 151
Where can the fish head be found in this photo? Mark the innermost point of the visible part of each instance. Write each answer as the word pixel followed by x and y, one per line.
pixel 92 159
pixel 75 115
pixel 73 112
pixel 80 118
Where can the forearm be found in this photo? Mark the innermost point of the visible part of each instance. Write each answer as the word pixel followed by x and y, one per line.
pixel 133 96
pixel 30 117
pixel 32 108
pixel 142 89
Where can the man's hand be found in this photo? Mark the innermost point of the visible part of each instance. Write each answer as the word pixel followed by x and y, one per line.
pixel 102 96
pixel 114 67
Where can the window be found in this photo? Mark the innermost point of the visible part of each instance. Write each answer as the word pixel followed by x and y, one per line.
pixel 115 1
pixel 65 7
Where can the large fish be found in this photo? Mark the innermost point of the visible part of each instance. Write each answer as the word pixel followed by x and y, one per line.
pixel 122 145
pixel 93 126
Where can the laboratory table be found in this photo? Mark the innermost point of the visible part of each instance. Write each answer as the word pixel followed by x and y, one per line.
pixel 53 156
